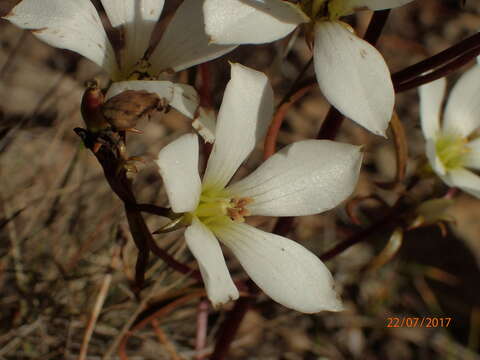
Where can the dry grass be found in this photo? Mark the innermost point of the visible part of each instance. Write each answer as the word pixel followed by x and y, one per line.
pixel 65 248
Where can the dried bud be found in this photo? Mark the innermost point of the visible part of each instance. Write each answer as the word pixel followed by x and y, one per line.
pixel 124 110
pixel 92 102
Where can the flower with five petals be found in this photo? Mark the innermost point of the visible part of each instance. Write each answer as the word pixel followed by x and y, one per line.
pixel 350 72
pixel 304 178
pixel 453 147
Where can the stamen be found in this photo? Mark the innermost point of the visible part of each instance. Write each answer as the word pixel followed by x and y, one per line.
pixel 237 210
pixel 217 208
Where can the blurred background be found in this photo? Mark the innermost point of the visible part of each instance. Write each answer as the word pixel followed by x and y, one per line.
pixel 62 230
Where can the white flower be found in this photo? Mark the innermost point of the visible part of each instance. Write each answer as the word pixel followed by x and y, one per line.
pixel 75 25
pixel 351 73
pixel 453 148
pixel 304 178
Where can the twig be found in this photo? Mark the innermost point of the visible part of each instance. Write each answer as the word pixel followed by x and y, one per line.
pixel 154 209
pixel 293 95
pixel 440 72
pixel 229 328
pixel 401 147
pixel 202 326
pixel 359 237
pixel 163 339
pixel 54 208
pixel 139 310
pixel 174 264
pixel 89 241
pixel 437 60
pixel 331 125
pixel 206 85
pixel 122 350
pixel 102 294
pixel 12 55
pixel 20 277
pixel 274 129
pixel 394 214
pixel 121 185
pixel 18 334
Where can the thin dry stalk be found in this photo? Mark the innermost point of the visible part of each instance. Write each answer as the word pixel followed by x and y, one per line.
pixel 202 326
pixel 163 339
pixel 102 294
pixel 141 307
pixel 12 54
pixel 122 350
pixel 20 276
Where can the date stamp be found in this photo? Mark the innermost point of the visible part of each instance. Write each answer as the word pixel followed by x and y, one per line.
pixel 420 322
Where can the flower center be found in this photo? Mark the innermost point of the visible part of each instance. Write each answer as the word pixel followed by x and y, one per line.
pixel 323 9
pixel 217 208
pixel 451 150
pixel 140 71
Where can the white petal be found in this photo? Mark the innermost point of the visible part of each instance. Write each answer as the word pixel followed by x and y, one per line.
pixel 462 114
pixel 206 249
pixel 138 17
pixel 250 21
pixel 346 7
pixel 243 119
pixel 435 162
pixel 178 164
pixel 431 99
pixel 185 43
pixel 307 177
pixel 67 24
pixel 465 180
pixel 286 271
pixel 353 76
pixel 473 157
pixel 205 124
pixel 182 97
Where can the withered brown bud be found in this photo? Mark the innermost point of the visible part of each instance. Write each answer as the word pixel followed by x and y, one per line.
pixel 124 110
pixel 92 102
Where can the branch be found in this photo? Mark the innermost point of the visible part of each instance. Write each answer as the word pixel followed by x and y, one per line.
pixel 440 72
pixel 110 158
pixel 437 60
pixel 230 326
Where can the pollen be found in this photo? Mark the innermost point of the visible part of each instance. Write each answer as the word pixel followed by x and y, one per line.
pixel 237 210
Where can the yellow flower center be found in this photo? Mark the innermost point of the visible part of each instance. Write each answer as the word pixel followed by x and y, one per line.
pixel 451 150
pixel 323 9
pixel 218 208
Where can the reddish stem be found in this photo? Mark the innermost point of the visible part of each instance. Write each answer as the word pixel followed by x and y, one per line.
pixel 440 72
pixel 439 59
pixel 274 129
pixel 230 326
pixel 170 261
pixel 122 349
pixel 206 86
pixel 202 326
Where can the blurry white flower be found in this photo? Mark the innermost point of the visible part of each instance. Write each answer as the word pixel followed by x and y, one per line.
pixel 351 73
pixel 307 177
pixel 453 148
pixel 75 25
